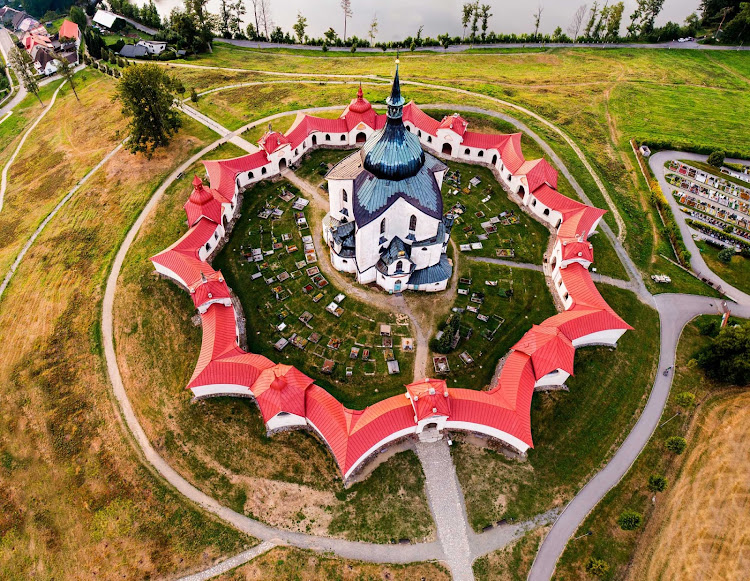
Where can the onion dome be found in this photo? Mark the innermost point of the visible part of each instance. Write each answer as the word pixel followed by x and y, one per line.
pixel 360 104
pixel 393 153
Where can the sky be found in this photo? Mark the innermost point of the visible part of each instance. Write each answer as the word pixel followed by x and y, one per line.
pixel 398 19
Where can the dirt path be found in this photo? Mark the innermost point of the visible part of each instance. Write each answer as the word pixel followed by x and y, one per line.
pixel 231 563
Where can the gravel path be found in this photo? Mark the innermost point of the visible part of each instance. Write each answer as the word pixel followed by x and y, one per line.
pixel 231 562
pixel 447 506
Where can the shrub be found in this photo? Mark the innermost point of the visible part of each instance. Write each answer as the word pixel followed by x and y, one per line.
pixel 676 444
pixel 597 567
pixel 716 158
pixel 325 48
pixel 726 255
pixel 709 327
pixel 727 358
pixel 629 520
pixel 657 483
pixel 193 95
pixel 685 399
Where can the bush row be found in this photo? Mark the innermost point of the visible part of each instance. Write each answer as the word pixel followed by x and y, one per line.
pixel 671 228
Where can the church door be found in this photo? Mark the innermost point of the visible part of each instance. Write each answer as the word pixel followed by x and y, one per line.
pixel 397 288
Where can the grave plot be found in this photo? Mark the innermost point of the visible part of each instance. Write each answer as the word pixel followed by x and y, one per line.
pixel 487 222
pixel 494 306
pixel 296 315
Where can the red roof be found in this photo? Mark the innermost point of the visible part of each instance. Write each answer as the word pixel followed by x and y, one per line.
pixel 69 30
pixel 455 123
pixel 272 141
pixel 182 257
pixel 516 379
pixel 538 172
pixel 486 409
pixel 580 287
pixel 222 174
pixel 576 248
pixel 580 321
pixel 554 200
pixel 202 203
pixel 485 140
pixel 548 348
pixel 579 222
pixel 511 154
pixel 360 104
pixel 211 287
pixel 420 119
pixel 429 397
pixel 281 389
pixel 219 338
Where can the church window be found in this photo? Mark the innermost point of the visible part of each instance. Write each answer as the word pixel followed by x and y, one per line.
pixel 481 153
pixel 466 151
pixel 345 196
pixel 263 170
pixel 328 137
pixel 382 226
pixel 546 211
pixel 429 139
pixel 399 266
pixel 343 138
pixel 413 223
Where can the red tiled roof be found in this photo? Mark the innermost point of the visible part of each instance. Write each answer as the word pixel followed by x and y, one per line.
pixel 420 119
pixel 272 141
pixel 485 140
pixel 511 154
pixel 576 248
pixel 219 338
pixel 182 257
pixel 548 348
pixel 486 409
pixel 580 321
pixel 580 287
pixel 516 382
pixel 579 222
pixel 538 172
pixel 281 388
pixel 202 203
pixel 210 287
pixel 455 123
pixel 360 104
pixel 68 30
pixel 554 200
pixel 429 397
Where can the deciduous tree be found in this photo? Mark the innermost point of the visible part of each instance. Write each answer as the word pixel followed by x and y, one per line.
pixel 146 95
pixel 66 72
pixel 467 10
pixel 485 15
pixel 299 27
pixel 372 32
pixel 537 20
pixel 22 64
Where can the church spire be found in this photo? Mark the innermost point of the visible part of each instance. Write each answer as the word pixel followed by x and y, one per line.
pixel 395 102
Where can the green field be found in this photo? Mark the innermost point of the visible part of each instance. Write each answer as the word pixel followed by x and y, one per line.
pixel 736 272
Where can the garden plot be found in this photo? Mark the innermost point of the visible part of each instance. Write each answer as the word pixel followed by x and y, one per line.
pixel 295 314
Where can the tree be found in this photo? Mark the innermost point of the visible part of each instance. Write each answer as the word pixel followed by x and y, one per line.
pixel 145 93
pixel 614 21
pixel 557 33
pixel 300 26
pixel 331 36
pixel 629 520
pixel 66 72
pixel 193 95
pixel 592 20
pixel 485 15
pixel 474 21
pixel 601 23
pixel 575 24
pixel 467 10
pixel 346 8
pixel 716 158
pixel 685 399
pixel 78 16
pixel 21 62
pixel 727 358
pixel 676 444
pixel 445 40
pixel 726 255
pixel 642 19
pixel 657 483
pixel 597 567
pixel 225 15
pixel 537 20
pixel 372 32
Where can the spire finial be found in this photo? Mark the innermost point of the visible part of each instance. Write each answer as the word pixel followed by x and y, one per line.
pixel 359 92
pixel 269 127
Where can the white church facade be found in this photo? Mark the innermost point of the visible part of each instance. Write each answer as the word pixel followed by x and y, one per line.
pixel 385 222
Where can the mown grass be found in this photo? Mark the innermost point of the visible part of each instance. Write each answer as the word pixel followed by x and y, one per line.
pixel 287 563
pixel 77 500
pixel 288 480
pixel 736 272
pixel 608 541
pixel 574 432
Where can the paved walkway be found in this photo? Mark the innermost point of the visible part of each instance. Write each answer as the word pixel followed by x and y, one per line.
pixel 447 505
pixel 231 563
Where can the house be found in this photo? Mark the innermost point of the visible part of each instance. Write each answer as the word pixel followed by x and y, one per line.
pixel 69 30
pixel 105 19
pixel 153 46
pixel 7 14
pixel 44 61
pixel 133 51
pixel 385 222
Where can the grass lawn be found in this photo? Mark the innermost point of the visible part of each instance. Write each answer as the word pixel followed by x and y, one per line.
pixel 736 273
pixel 574 432
pixel 284 563
pixel 608 541
pixel 509 318
pixel 513 561
pixel 288 480
pixel 77 500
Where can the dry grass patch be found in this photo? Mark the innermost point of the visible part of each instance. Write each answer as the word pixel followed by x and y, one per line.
pixel 511 563
pixel 77 501
pixel 285 563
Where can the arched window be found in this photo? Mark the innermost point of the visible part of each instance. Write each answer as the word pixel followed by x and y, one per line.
pixel 481 153
pixel 345 196
pixel 382 226
pixel 429 139
pixel 399 266
pixel 263 171
pixel 413 223
pixel 546 211
pixel 328 137
pixel 466 151
pixel 249 175
pixel 343 138
pixel 419 133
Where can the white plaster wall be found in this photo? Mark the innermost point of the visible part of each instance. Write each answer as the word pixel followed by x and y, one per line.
pixel 384 442
pixel 287 420
pixel 557 377
pixel 608 337
pixel 204 307
pixel 343 264
pixel 492 432
pixel 221 389
pixel 335 199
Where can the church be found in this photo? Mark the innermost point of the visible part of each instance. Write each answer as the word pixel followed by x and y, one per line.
pixel 385 222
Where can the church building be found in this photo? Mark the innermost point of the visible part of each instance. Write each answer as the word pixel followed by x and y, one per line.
pixel 385 223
